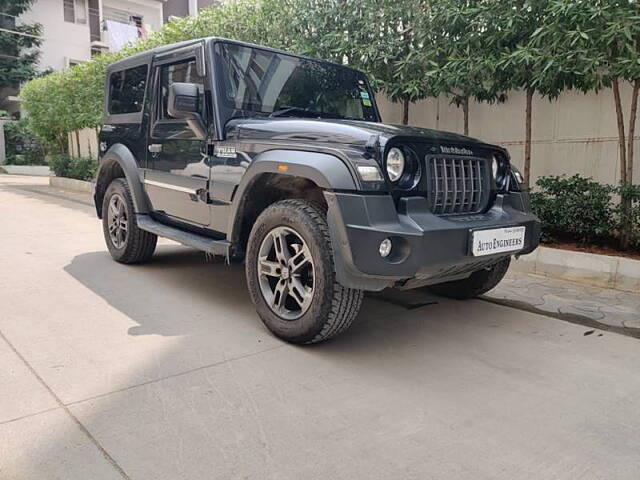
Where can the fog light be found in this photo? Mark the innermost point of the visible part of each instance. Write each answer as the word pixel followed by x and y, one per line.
pixel 385 248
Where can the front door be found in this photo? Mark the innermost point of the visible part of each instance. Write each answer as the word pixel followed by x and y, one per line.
pixel 177 178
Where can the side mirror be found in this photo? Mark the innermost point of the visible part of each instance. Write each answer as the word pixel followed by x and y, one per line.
pixel 183 103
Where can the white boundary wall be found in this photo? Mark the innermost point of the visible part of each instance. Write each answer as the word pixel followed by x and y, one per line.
pixel 88 143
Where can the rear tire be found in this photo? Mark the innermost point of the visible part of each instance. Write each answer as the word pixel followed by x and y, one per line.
pixel 477 283
pixel 291 276
pixel 126 242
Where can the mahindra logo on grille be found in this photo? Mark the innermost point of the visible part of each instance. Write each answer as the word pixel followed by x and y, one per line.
pixel 456 151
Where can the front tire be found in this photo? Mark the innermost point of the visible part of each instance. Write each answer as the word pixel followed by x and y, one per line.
pixel 291 276
pixel 477 283
pixel 126 242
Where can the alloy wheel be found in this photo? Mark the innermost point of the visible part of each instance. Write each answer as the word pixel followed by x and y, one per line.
pixel 286 273
pixel 117 221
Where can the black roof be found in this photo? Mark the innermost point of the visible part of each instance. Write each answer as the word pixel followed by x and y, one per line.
pixel 146 56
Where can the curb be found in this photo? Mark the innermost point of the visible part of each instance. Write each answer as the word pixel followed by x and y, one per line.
pixel 605 271
pixel 33 170
pixel 71 184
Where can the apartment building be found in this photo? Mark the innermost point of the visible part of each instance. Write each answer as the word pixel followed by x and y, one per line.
pixel 74 30
pixel 184 8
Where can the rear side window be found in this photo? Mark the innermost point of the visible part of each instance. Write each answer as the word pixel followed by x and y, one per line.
pixel 126 90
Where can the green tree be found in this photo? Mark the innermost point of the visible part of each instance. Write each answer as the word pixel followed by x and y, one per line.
pixel 18 46
pixel 525 61
pixel 459 53
pixel 599 41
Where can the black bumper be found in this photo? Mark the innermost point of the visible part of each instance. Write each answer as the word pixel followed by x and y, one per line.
pixel 427 248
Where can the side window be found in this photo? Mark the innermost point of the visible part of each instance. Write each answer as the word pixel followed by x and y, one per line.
pixel 126 90
pixel 182 72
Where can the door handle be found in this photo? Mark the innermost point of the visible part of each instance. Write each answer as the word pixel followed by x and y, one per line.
pixel 155 147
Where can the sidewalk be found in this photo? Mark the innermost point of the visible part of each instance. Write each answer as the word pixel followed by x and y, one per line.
pixel 593 307
pixel 612 310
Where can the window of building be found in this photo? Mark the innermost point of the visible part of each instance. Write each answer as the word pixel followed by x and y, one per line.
pixel 185 72
pixel 75 11
pixel 122 16
pixel 126 90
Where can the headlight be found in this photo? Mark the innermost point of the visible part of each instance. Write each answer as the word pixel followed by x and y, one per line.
pixel 395 164
pixel 499 171
pixel 517 182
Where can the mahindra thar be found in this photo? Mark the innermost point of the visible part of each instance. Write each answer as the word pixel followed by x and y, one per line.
pixel 282 162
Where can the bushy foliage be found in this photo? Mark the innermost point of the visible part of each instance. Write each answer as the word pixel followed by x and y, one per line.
pixel 632 192
pixel 19 59
pixel 80 168
pixel 574 208
pixel 23 147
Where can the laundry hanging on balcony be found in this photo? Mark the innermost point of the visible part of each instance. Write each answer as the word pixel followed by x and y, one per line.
pixel 120 34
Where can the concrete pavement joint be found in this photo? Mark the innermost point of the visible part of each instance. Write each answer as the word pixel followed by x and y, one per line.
pixel 174 375
pixel 11 420
pixel 78 423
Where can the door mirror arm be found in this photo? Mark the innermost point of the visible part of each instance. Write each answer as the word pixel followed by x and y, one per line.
pixel 183 103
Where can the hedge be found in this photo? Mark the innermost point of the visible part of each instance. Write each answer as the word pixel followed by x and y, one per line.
pixel 23 147
pixel 582 210
pixel 80 168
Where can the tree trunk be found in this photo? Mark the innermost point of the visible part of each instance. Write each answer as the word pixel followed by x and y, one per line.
pixel 626 227
pixel 632 130
pixel 625 203
pixel 465 114
pixel 405 111
pixel 63 142
pixel 621 135
pixel 78 142
pixel 527 139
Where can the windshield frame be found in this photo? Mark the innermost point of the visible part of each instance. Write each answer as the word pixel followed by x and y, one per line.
pixel 226 113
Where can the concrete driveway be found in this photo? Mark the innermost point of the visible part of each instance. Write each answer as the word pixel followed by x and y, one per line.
pixel 163 371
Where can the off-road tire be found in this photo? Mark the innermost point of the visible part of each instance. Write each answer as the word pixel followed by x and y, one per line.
pixel 333 307
pixel 139 245
pixel 476 284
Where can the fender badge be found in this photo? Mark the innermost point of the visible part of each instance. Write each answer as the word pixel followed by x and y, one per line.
pixel 225 152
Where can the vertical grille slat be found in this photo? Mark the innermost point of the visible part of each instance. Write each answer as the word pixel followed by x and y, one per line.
pixel 456 185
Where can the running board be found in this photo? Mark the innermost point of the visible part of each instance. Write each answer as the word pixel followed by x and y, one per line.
pixel 206 244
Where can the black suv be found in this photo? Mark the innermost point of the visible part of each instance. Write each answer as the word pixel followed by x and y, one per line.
pixel 282 161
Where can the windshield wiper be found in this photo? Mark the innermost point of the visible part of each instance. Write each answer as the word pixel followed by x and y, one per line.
pixel 285 110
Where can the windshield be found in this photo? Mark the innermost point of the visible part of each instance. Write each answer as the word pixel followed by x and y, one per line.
pixel 278 85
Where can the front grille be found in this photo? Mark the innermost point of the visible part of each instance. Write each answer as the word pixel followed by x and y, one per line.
pixel 457 184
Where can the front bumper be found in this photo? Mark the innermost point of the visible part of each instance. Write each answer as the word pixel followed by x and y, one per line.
pixel 428 248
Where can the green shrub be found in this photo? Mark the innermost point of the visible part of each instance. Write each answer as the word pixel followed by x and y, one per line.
pixel 23 146
pixel 574 208
pixel 81 168
pixel 632 192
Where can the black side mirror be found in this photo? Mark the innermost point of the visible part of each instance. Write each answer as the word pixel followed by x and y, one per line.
pixel 183 102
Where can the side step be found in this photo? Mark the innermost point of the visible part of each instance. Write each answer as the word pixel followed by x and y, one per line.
pixel 206 244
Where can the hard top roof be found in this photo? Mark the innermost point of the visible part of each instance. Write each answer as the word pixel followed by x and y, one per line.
pixel 146 56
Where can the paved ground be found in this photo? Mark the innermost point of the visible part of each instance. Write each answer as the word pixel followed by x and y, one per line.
pixel 163 371
pixel 612 310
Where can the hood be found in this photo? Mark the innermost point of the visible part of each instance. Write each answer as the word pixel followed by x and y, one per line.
pixel 345 132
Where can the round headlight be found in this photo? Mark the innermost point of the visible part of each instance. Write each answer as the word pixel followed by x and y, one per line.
pixel 395 164
pixel 499 170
